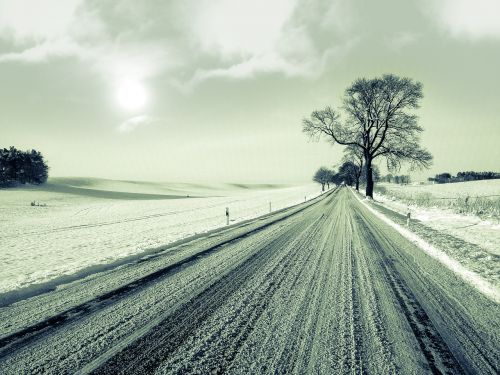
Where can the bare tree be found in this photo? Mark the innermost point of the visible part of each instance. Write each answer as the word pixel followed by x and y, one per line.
pixel 379 122
pixel 323 176
pixel 347 173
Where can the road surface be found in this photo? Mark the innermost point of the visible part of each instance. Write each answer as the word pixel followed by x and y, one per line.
pixel 324 288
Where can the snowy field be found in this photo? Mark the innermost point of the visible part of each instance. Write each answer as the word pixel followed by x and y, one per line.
pixel 426 204
pixel 458 189
pixel 84 222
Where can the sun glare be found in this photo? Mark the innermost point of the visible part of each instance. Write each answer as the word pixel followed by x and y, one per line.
pixel 131 95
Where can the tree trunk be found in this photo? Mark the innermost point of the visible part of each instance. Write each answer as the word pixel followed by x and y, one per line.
pixel 322 187
pixel 357 184
pixel 369 177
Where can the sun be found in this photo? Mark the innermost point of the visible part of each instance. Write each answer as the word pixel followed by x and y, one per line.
pixel 131 95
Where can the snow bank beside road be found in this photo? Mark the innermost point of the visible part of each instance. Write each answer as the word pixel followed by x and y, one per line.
pixel 473 278
pixel 484 233
pixel 77 230
pixel 456 189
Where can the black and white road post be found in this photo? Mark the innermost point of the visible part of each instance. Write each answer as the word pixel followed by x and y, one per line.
pixel 227 215
pixel 408 216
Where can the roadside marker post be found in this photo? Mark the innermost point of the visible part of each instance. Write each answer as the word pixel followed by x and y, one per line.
pixel 227 215
pixel 270 209
pixel 408 216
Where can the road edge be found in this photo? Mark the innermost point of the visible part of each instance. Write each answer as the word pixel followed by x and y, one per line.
pixel 471 277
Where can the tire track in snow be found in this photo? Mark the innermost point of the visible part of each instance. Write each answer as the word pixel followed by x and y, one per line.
pixel 439 358
pixel 246 311
pixel 172 332
pixel 375 348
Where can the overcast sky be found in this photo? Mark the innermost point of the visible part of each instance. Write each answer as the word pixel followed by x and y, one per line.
pixel 215 90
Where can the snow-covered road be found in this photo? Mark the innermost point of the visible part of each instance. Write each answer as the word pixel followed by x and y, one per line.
pixel 324 287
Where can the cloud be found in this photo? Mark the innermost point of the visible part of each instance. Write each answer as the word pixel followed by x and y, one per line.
pixel 26 20
pixel 45 29
pixel 135 122
pixel 240 28
pixel 190 40
pixel 288 37
pixel 44 51
pixel 267 63
pixel 271 63
pixel 478 19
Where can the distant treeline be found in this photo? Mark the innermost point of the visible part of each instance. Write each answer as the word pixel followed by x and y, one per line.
pixel 21 167
pixel 444 178
pixel 349 173
pixel 403 179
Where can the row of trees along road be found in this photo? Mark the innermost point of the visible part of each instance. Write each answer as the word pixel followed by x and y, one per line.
pixel 379 123
pixel 21 167
pixel 349 173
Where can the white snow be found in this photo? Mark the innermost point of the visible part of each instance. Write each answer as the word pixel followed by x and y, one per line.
pixel 484 233
pixel 458 189
pixel 473 278
pixel 76 229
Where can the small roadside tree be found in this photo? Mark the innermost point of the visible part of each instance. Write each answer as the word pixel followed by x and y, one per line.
pixel 347 173
pixel 353 165
pixel 379 122
pixel 337 178
pixel 323 176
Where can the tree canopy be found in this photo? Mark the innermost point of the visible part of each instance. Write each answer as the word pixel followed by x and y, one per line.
pixel 323 176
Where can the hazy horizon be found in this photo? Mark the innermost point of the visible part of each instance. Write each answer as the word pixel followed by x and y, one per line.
pixel 215 91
